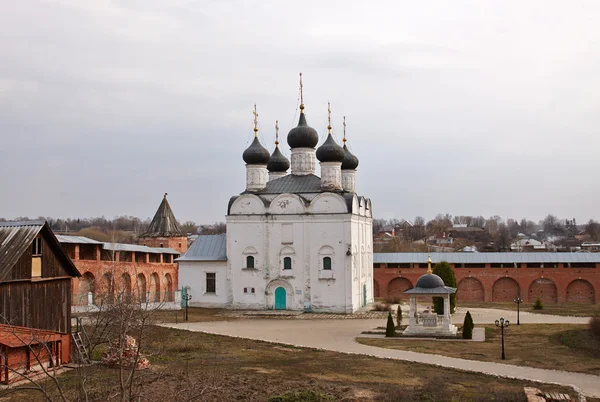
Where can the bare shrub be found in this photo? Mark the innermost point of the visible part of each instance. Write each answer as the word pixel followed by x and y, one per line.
pixel 382 307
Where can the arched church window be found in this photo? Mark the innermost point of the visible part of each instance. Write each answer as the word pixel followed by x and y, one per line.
pixel 249 261
pixel 245 290
pixel 326 262
pixel 253 291
pixel 287 263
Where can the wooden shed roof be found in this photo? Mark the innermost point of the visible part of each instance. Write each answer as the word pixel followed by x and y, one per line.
pixel 16 237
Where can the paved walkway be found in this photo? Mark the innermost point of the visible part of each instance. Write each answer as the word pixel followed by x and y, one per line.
pixel 339 335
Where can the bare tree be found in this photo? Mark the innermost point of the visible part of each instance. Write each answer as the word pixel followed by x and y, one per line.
pixel 592 228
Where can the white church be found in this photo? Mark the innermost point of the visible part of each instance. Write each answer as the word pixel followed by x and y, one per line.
pixel 294 241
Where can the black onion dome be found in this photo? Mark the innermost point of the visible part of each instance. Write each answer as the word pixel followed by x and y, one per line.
pixel 350 162
pixel 429 281
pixel 256 154
pixel 330 151
pixel 302 136
pixel 278 162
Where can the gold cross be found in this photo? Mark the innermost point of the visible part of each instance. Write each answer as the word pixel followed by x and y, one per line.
pixel 276 132
pixel 255 121
pixel 344 130
pixel 301 95
pixel 328 118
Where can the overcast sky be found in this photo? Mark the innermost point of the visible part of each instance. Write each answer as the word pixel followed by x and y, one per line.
pixel 461 107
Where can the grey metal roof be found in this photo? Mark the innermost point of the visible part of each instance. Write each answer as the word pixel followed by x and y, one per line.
pixel 116 246
pixel 290 183
pixel 207 248
pixel 441 290
pixel 164 223
pixel 139 249
pixel 481 258
pixel 76 240
pixel 16 237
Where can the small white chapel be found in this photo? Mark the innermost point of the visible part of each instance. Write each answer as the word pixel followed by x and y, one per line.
pixel 294 241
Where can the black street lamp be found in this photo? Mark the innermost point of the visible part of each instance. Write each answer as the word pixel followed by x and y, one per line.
pixel 187 297
pixel 501 323
pixel 518 300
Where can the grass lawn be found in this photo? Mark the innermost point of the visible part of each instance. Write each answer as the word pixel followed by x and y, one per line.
pixel 201 367
pixel 577 310
pixel 548 346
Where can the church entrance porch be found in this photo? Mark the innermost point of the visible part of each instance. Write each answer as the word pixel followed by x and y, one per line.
pixel 280 299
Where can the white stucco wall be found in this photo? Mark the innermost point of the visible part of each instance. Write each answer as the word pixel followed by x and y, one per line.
pixel 192 274
pixel 305 233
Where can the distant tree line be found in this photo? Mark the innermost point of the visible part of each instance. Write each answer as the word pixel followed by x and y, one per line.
pixel 122 229
pixel 496 232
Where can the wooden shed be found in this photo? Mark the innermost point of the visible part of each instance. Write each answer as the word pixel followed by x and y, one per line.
pixel 35 299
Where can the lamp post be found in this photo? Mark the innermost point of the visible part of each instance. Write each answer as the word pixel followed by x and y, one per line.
pixel 501 323
pixel 518 300
pixel 187 297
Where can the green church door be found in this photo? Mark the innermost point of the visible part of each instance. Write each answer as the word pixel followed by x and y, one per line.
pixel 365 295
pixel 280 299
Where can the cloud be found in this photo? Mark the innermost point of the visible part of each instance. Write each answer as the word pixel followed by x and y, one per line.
pixel 474 107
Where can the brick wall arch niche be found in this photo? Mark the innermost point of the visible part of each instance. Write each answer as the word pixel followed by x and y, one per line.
pixel 505 290
pixel 141 288
pixel 470 289
pixel 397 286
pixel 154 288
pixel 169 282
pixel 87 284
pixel 543 288
pixel 375 289
pixel 580 291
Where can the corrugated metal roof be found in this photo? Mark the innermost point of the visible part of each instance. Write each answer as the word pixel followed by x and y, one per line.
pixel 76 240
pixel 207 248
pixel 139 249
pixel 15 237
pixel 480 258
pixel 116 246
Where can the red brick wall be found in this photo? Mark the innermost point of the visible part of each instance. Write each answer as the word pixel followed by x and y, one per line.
pixel 543 288
pixel 176 243
pixel 127 277
pixel 505 290
pixel 16 358
pixel 561 284
pixel 580 291
pixel 470 289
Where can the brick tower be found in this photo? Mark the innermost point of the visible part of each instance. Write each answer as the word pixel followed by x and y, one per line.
pixel 164 231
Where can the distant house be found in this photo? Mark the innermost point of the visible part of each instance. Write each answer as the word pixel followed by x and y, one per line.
pixel 35 299
pixel 590 246
pixel 467 232
pixel 528 245
pixel 440 239
pixel 387 229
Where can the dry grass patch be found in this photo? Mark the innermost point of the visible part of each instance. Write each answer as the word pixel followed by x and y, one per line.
pixel 548 346
pixel 203 367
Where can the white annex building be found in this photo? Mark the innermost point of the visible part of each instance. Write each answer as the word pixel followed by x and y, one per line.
pixel 294 241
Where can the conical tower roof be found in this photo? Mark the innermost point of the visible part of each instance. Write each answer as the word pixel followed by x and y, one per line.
pixel 164 223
